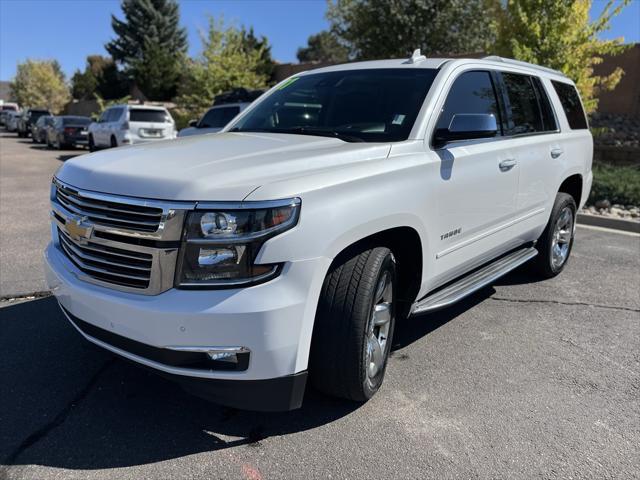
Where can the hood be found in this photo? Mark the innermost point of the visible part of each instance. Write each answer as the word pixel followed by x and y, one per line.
pixel 223 167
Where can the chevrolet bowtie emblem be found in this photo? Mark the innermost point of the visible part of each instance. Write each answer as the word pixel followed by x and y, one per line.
pixel 77 229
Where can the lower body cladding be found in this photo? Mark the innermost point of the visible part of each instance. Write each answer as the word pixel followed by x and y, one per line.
pixel 245 348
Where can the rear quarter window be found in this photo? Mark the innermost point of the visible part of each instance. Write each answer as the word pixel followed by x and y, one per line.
pixel 571 105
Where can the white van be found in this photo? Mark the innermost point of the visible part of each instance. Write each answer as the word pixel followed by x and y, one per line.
pixel 131 124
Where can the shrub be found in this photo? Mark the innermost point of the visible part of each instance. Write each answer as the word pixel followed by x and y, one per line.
pixel 616 184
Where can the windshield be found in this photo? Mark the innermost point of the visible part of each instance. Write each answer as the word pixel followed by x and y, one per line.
pixel 141 115
pixel 218 117
pixel 372 105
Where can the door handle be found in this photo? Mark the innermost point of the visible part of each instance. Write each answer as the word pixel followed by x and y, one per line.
pixel 507 165
pixel 556 152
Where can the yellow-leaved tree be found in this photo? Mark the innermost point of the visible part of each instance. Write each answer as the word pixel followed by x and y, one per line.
pixel 224 64
pixel 558 34
pixel 40 83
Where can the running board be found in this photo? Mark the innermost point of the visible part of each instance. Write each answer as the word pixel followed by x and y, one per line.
pixel 474 281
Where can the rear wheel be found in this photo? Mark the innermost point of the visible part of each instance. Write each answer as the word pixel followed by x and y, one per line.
pixel 555 243
pixel 114 142
pixel 354 325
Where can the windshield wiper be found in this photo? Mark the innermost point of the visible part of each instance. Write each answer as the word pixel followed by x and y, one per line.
pixel 319 132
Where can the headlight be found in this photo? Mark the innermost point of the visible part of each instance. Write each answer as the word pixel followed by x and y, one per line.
pixel 220 245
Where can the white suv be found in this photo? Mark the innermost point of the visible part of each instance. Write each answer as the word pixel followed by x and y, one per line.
pixel 344 200
pixel 131 124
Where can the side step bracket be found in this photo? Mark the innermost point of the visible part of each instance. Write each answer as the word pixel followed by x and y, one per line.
pixel 473 282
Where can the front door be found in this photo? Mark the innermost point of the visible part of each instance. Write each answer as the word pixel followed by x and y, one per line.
pixel 477 187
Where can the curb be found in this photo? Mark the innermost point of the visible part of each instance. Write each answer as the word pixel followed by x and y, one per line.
pixel 609 222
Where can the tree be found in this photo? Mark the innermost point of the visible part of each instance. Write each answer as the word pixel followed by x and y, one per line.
pixel 223 65
pixel 558 34
pixel 150 45
pixel 252 43
pixel 100 76
pixel 40 83
pixel 373 29
pixel 323 47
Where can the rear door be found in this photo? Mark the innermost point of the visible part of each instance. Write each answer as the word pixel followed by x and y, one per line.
pixel 99 130
pixel 532 135
pixel 150 124
pixel 478 183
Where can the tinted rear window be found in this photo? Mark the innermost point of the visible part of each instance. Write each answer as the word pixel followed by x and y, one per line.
pixel 140 115
pixel 218 117
pixel 76 121
pixel 571 105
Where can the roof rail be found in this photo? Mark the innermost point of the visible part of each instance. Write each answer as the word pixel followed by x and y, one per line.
pixel 510 61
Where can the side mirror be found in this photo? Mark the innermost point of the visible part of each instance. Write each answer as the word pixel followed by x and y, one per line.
pixel 193 123
pixel 467 126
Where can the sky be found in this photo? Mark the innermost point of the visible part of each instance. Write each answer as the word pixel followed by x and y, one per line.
pixel 69 30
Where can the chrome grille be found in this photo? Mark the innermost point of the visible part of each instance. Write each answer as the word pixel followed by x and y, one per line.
pixel 113 214
pixel 109 264
pixel 125 243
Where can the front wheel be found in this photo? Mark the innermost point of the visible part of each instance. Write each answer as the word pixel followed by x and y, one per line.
pixel 92 145
pixel 555 243
pixel 354 325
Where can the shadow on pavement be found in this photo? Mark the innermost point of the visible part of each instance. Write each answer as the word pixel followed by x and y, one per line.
pixel 69 156
pixel 69 404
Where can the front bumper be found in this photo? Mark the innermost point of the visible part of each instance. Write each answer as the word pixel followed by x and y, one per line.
pixel 273 321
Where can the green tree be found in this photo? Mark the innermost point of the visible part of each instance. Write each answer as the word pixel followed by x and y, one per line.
pixel 40 83
pixel 373 29
pixel 252 43
pixel 100 76
pixel 323 47
pixel 223 65
pixel 558 34
pixel 150 45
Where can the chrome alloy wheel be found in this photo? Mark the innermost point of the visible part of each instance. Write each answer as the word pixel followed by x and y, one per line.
pixel 561 240
pixel 379 325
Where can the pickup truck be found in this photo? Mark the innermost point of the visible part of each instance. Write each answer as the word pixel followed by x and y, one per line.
pixel 284 250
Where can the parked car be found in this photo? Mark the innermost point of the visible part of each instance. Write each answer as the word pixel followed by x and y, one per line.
pixel 11 121
pixel 214 120
pixel 27 118
pixel 131 124
pixel 4 109
pixel 346 199
pixel 39 128
pixel 68 131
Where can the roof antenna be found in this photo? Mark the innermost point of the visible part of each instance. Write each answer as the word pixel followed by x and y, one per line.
pixel 416 57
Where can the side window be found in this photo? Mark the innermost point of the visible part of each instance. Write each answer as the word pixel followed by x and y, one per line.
pixel 523 111
pixel 571 105
pixel 229 113
pixel 115 115
pixel 472 92
pixel 548 118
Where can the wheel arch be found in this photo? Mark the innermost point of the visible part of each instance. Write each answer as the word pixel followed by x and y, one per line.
pixel 572 185
pixel 406 245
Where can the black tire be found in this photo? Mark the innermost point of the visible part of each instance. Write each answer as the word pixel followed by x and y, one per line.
pixel 338 360
pixel 114 142
pixel 92 145
pixel 543 263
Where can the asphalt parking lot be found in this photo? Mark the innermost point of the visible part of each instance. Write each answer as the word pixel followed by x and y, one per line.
pixel 525 379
